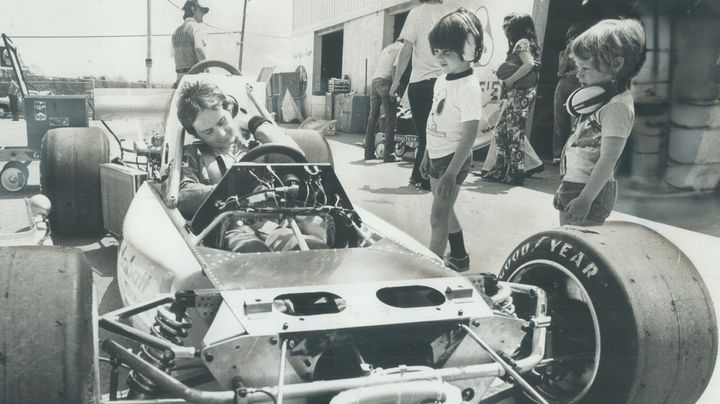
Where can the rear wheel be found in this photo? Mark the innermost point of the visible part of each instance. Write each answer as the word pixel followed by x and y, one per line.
pixel 70 176
pixel 48 344
pixel 632 321
pixel 14 176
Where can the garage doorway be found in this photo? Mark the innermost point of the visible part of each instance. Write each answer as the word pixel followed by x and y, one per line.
pixel 329 62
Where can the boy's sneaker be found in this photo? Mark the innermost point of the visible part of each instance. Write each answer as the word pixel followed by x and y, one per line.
pixel 457 264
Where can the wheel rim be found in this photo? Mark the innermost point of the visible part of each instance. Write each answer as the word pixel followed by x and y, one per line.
pixel 380 149
pixel 13 178
pixel 573 336
pixel 400 149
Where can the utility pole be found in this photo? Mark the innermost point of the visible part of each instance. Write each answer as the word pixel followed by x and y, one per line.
pixel 148 58
pixel 242 36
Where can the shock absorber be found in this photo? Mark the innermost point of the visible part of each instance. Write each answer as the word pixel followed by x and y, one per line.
pixel 172 324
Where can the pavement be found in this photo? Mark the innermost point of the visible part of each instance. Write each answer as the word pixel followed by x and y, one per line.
pixel 495 217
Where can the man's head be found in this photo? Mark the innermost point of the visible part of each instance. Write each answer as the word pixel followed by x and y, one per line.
pixel 202 111
pixel 193 9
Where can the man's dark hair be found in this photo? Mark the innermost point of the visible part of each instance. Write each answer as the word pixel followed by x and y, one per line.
pixel 195 97
pixel 453 30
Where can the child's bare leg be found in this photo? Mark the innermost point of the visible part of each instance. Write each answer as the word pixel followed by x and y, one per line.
pixel 440 216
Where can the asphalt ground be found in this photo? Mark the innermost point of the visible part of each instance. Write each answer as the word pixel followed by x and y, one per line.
pixel 495 217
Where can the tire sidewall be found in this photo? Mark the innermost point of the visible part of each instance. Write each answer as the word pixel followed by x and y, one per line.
pixel 600 280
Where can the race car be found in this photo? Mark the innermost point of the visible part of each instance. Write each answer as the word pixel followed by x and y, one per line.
pixel 336 305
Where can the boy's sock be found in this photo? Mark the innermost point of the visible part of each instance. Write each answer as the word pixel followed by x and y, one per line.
pixel 457 245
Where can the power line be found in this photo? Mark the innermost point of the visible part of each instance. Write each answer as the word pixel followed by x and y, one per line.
pixel 134 35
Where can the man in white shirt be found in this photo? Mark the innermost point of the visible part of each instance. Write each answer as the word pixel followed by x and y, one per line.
pixel 425 69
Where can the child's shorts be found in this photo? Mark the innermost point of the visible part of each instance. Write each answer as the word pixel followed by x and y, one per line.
pixel 439 165
pixel 599 210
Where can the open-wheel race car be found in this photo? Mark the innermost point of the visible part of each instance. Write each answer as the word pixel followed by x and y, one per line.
pixel 335 305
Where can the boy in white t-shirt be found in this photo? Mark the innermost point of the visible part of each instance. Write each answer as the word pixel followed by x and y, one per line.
pixel 456 41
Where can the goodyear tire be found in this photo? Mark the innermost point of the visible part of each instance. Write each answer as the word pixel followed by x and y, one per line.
pixel 70 161
pixel 48 336
pixel 631 317
pixel 313 144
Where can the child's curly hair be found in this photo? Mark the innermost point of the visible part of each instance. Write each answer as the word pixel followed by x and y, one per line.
pixel 608 40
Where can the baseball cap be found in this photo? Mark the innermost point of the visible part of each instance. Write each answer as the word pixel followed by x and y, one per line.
pixel 196 3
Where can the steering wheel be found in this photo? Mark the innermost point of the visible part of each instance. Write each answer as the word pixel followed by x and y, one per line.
pixel 273 148
pixel 206 64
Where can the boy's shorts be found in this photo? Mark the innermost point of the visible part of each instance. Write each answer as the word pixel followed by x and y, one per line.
pixel 599 210
pixel 439 166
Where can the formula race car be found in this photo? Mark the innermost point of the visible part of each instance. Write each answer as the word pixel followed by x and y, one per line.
pixel 279 289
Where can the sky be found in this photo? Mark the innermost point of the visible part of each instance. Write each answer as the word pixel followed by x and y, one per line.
pixel 55 54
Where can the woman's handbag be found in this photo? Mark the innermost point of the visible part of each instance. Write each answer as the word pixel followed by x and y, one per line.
pixel 507 69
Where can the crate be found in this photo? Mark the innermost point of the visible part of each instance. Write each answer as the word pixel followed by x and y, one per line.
pixel 118 185
pixel 338 85
pixel 351 112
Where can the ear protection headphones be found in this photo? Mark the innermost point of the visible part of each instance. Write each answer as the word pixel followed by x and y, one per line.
pixel 473 43
pixel 588 99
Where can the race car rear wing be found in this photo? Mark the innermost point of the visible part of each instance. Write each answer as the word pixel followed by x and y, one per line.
pixel 11 50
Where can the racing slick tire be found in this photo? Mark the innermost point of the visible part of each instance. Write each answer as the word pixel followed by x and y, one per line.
pixel 631 319
pixel 48 343
pixel 70 161
pixel 313 144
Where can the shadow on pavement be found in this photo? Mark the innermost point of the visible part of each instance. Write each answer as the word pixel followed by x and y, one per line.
pixel 402 190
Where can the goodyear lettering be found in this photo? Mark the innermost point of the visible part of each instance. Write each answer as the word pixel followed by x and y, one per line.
pixel 558 247
pixel 524 249
pixel 577 259
pixel 564 249
pixel 540 240
pixel 590 270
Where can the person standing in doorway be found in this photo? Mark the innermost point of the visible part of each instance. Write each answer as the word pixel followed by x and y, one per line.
pixel 380 94
pixel 14 95
pixel 567 83
pixel 189 40
pixel 425 69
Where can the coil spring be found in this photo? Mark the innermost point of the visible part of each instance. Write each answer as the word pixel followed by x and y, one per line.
pixel 166 326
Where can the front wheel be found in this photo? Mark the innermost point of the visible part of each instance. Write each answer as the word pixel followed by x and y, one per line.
pixel 48 342
pixel 631 319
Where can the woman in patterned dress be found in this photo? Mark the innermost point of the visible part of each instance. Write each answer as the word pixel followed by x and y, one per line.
pixel 510 131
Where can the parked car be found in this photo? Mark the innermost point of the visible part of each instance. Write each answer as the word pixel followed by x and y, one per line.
pixel 340 307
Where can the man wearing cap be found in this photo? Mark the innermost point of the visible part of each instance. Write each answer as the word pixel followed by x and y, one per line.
pixel 189 40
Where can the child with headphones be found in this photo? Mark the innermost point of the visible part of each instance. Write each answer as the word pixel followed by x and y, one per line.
pixel 456 42
pixel 608 56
